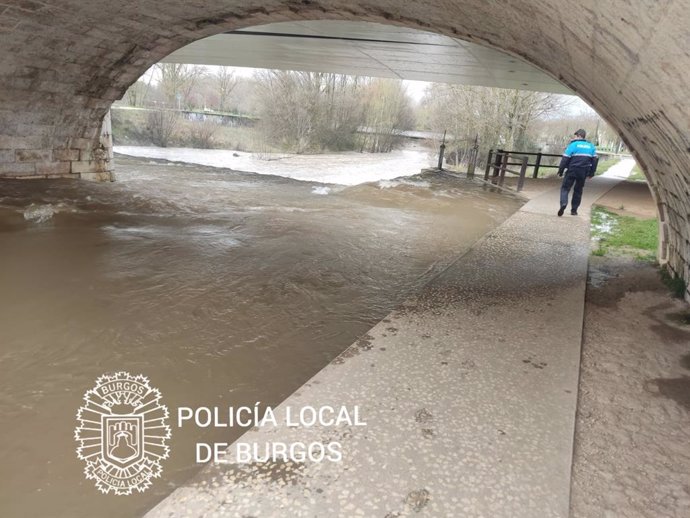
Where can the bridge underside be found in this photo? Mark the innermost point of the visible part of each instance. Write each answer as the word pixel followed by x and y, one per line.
pixel 64 63
pixel 367 49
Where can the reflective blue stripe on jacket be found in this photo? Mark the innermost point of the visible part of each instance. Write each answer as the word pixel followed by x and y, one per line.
pixel 580 155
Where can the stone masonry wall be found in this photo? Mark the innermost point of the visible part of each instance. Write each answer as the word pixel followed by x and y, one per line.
pixel 63 62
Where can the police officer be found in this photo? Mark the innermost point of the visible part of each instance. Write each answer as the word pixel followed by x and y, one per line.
pixel 580 160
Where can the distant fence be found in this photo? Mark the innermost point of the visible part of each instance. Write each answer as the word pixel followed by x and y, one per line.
pixel 410 134
pixel 226 119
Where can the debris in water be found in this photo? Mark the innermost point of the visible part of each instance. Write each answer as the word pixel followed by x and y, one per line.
pixel 39 213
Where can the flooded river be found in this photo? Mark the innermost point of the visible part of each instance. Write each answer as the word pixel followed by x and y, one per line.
pixel 350 168
pixel 223 288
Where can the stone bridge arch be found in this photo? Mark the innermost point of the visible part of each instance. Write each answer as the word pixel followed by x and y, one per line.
pixel 63 62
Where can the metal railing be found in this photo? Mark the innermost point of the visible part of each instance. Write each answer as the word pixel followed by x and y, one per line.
pixel 537 164
pixel 499 160
pixel 500 165
pixel 472 155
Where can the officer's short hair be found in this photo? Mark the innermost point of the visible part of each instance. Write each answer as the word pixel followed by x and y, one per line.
pixel 581 133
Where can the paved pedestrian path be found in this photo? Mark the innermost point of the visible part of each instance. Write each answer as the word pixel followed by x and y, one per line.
pixel 620 170
pixel 468 389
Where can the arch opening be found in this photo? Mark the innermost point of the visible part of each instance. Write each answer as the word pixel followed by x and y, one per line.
pixel 631 68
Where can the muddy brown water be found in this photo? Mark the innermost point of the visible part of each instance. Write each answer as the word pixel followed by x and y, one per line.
pixel 223 288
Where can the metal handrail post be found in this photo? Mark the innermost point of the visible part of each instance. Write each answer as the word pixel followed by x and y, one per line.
pixel 537 163
pixel 497 164
pixel 504 164
pixel 488 165
pixel 442 151
pixel 523 171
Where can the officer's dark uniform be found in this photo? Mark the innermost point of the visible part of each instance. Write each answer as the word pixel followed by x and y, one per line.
pixel 580 159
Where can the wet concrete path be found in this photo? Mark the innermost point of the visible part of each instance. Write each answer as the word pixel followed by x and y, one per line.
pixel 469 392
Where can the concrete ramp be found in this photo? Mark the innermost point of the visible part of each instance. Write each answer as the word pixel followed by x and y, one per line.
pixel 469 392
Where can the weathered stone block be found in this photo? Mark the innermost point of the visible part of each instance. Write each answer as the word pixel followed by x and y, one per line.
pixel 17 169
pixel 32 155
pixel 53 168
pixel 81 143
pixel 15 142
pixel 84 166
pixel 63 155
pixel 105 176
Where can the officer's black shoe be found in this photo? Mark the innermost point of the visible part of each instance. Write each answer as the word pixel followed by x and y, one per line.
pixel 561 210
pixel 573 212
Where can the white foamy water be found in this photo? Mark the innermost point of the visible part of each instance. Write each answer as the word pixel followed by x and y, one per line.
pixel 389 184
pixel 39 213
pixel 322 189
pixel 350 168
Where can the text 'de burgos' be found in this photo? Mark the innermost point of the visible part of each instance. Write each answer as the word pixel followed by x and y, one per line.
pixel 257 451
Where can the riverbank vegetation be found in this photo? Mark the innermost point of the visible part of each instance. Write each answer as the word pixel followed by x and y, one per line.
pixel 138 127
pixel 637 175
pixel 310 112
pixel 614 234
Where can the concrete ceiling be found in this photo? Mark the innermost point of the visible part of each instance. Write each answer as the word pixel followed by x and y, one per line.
pixel 367 49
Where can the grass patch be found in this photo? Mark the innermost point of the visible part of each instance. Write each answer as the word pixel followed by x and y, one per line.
pixel 624 235
pixel 616 235
pixel 637 175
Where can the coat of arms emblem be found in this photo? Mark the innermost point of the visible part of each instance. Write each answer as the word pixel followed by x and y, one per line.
pixel 122 433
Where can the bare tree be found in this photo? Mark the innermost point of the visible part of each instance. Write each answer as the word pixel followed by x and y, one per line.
pixel 556 131
pixel 137 93
pixel 387 110
pixel 501 118
pixel 201 133
pixel 523 109
pixel 305 111
pixel 283 109
pixel 162 125
pixel 176 82
pixel 226 82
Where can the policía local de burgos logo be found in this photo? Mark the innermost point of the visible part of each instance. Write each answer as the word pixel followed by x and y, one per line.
pixel 122 433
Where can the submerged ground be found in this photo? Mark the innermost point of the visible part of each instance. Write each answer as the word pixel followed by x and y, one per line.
pixel 224 288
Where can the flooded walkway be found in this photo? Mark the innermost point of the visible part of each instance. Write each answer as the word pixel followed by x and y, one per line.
pixel 222 287
pixel 468 389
